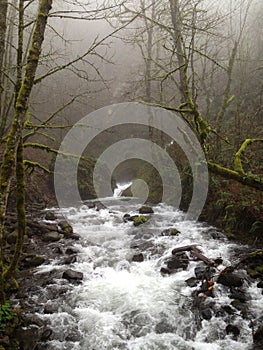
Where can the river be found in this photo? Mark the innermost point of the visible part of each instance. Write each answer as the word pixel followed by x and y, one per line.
pixel 130 305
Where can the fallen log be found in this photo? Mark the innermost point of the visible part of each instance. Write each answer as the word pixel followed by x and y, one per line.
pixel 202 257
pixel 194 251
pixel 186 248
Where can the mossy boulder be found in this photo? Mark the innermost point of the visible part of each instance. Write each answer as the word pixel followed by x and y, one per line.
pixel 146 210
pixel 139 220
pixel 33 260
pixel 52 236
pixel 65 226
pixel 170 232
pixel 50 216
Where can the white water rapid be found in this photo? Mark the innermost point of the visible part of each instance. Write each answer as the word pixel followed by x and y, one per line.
pixel 128 305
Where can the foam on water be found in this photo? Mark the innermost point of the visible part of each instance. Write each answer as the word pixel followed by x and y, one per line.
pixel 129 305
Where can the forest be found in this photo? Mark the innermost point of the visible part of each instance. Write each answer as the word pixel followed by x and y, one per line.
pixel 198 61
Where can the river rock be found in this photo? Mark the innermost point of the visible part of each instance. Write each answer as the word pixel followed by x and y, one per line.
pixel 206 313
pixel 164 327
pixel 230 279
pixel 146 210
pixel 239 295
pixel 71 250
pixel 139 220
pixel 258 338
pixel 50 308
pixel 232 329
pixel 191 282
pixel 32 261
pixel 65 226
pixel 178 261
pixel 50 216
pixel 69 260
pixel 72 275
pixel 52 236
pixel 170 232
pixel 138 257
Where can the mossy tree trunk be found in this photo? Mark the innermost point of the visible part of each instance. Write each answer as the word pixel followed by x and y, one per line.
pixel 12 162
pixel 3 28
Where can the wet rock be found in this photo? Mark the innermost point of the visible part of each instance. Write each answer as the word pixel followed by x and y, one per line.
pixel 191 282
pixel 138 257
pixel 237 304
pixel 32 261
pixel 258 338
pixel 52 236
pixel 72 275
pixel 230 280
pixel 146 210
pixel 141 219
pixel 170 232
pixel 239 295
pixel 73 336
pixel 231 329
pixel 256 228
pixel 206 313
pixel 178 261
pixel 29 337
pixel 33 320
pixel 50 308
pixel 71 251
pixel 228 309
pixel 46 334
pixel 165 271
pixel 90 205
pixel 128 217
pixel 69 260
pixel 65 226
pixel 203 271
pixel 260 284
pixel 164 327
pixel 50 216
pixel 100 206
pixel 57 250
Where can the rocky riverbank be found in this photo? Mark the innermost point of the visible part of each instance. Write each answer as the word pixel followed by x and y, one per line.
pixel 51 241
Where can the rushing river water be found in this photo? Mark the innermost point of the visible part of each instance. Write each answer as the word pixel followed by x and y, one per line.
pixel 124 304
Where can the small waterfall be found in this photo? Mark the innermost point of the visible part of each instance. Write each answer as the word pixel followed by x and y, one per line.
pixel 120 188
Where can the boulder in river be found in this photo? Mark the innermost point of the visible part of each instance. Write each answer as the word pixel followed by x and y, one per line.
pixel 146 210
pixel 230 279
pixel 138 257
pixel 141 219
pixel 50 216
pixel 65 226
pixel 52 236
pixel 72 275
pixel 170 232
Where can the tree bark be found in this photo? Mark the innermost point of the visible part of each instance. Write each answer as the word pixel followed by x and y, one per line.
pixel 3 28
pixel 13 148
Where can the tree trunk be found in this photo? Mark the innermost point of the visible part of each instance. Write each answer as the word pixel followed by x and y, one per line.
pixel 13 148
pixel 3 27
